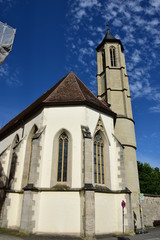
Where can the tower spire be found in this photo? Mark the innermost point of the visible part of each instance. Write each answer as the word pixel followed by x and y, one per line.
pixel 107 27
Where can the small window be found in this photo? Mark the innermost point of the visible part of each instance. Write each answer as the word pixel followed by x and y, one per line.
pixel 62 158
pixel 113 56
pixel 103 60
pixel 98 159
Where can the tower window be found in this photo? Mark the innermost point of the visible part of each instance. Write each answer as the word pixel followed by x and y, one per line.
pixel 103 60
pixel 98 159
pixel 113 56
pixel 62 158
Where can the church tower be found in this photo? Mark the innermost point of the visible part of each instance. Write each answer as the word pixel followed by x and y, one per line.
pixel 113 87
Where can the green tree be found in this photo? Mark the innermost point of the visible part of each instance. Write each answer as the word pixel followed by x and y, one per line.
pixel 149 179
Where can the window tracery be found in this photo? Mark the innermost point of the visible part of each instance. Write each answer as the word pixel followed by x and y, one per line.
pixel 62 158
pixel 113 56
pixel 99 174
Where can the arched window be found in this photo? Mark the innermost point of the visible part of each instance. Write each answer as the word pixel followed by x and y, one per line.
pixel 99 159
pixel 113 56
pixel 62 158
pixel 31 153
pixel 13 162
pixel 103 60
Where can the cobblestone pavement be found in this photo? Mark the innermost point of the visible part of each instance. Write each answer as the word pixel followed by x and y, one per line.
pixel 152 234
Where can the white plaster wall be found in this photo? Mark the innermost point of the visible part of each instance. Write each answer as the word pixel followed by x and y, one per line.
pixel 5 161
pixel 55 119
pixel 113 165
pixel 38 119
pixel 71 119
pixel 59 213
pixel 5 143
pixel 20 165
pixel 9 139
pixel 108 213
pixel 14 210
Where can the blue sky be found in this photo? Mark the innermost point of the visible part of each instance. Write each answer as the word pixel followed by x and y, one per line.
pixel 54 37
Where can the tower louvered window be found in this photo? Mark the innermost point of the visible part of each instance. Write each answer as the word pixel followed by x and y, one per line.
pixel 103 60
pixel 113 56
pixel 98 159
pixel 62 158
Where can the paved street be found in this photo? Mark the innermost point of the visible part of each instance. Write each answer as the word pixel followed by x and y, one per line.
pixel 152 234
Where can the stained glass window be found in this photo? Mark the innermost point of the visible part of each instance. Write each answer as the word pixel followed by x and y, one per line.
pixel 98 159
pixel 62 158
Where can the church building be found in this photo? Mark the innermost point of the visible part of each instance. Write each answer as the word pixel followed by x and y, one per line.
pixel 69 159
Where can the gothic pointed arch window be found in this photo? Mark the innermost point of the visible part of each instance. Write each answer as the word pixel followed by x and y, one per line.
pixel 113 56
pixel 32 154
pixel 99 165
pixel 62 158
pixel 103 60
pixel 29 154
pixel 13 162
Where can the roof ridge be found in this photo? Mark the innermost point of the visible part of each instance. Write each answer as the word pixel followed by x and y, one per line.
pixel 91 92
pixel 75 76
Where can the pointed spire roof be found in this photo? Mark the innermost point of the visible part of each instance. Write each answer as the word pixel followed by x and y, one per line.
pixel 109 38
pixel 109 35
pixel 69 91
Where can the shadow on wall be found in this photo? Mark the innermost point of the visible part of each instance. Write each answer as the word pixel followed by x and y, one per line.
pixel 135 221
pixel 3 186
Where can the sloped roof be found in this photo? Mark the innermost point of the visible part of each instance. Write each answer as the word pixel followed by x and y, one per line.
pixel 109 35
pixel 70 90
pixel 109 38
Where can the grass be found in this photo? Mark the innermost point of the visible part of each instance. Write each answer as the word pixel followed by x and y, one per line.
pixel 12 232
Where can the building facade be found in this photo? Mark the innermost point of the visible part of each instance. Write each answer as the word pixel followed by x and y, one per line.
pixel 67 162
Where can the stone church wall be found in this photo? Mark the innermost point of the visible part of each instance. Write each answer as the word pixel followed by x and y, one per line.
pixel 108 207
pixel 151 209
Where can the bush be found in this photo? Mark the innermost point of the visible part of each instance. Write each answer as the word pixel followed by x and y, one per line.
pixel 156 223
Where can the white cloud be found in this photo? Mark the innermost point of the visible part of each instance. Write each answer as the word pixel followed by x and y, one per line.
pixel 91 43
pixel 136 88
pixel 4 70
pixel 100 29
pixel 157 40
pixel 128 28
pixel 80 13
pixel 89 3
pixel 117 22
pixel 155 109
pixel 154 22
pixel 136 56
pixel 155 3
pixel 9 76
pixel 13 79
pixel 150 11
pixel 134 6
pixel 136 26
pixel 142 41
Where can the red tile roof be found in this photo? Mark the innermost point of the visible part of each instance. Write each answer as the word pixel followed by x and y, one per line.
pixel 70 90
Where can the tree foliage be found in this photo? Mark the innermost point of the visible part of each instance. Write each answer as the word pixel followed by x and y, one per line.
pixel 149 179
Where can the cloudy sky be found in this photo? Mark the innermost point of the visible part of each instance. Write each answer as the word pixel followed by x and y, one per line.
pixel 55 37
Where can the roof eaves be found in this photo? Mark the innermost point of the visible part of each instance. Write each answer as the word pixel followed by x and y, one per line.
pixel 110 41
